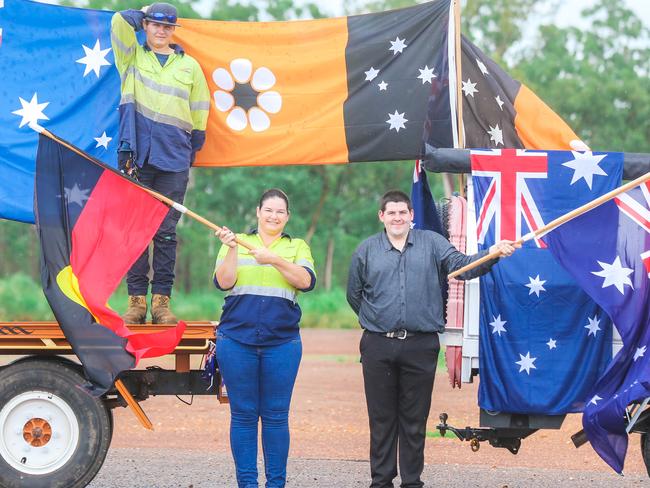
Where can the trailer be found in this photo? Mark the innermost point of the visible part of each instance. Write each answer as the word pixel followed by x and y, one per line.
pixel 53 432
pixel 461 336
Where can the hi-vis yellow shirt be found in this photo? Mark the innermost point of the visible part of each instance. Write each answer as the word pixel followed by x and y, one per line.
pixel 261 308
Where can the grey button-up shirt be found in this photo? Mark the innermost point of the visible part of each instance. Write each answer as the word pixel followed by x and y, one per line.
pixel 390 290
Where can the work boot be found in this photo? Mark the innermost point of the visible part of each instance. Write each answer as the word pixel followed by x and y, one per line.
pixel 160 311
pixel 136 313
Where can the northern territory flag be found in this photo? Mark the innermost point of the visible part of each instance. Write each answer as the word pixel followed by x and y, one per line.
pixel 368 87
pixel 93 223
pixel 500 112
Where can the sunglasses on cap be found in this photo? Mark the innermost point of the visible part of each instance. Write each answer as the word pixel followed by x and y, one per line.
pixel 160 17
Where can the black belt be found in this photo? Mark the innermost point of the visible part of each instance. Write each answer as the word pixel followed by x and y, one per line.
pixel 398 334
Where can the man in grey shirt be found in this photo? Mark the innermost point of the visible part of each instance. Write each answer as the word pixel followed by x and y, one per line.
pixel 394 288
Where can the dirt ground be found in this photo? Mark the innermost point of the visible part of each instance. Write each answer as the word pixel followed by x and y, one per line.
pixel 329 421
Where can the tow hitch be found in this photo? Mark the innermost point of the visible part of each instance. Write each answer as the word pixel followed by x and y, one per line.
pixel 508 438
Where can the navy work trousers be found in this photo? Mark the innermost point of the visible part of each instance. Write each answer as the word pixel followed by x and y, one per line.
pixel 259 381
pixel 398 380
pixel 172 185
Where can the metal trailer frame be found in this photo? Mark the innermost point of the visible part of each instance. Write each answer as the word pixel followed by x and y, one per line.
pixel 52 431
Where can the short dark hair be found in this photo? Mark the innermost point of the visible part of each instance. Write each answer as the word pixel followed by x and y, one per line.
pixel 394 196
pixel 274 193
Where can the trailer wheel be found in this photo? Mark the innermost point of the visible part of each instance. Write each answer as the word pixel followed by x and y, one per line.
pixel 53 434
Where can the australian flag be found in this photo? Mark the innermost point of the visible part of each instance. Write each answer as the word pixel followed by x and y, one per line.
pixel 543 341
pixel 607 251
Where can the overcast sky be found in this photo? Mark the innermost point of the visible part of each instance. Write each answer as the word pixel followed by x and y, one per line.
pixel 568 13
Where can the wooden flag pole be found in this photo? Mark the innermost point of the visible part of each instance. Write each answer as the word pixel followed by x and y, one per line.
pixel 177 206
pixel 459 91
pixel 560 220
pixel 135 406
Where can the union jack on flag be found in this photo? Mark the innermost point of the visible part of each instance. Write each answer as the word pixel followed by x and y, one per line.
pixel 508 200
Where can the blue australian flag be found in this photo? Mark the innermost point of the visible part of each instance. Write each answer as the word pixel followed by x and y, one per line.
pixel 607 251
pixel 58 71
pixel 543 341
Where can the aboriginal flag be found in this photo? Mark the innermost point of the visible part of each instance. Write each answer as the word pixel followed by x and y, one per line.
pixel 93 223
pixel 500 112
pixel 368 87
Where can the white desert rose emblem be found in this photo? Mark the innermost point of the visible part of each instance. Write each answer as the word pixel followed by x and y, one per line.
pixel 246 95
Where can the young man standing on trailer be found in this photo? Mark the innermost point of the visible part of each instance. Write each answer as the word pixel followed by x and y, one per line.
pixel 394 288
pixel 163 116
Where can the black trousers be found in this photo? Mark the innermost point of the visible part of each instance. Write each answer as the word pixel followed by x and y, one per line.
pixel 172 185
pixel 398 380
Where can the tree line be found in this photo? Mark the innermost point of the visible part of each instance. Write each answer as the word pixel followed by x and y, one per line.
pixel 594 73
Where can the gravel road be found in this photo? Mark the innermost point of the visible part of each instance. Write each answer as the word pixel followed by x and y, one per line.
pixel 170 468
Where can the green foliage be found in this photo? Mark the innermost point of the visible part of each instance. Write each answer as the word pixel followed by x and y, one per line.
pixel 21 298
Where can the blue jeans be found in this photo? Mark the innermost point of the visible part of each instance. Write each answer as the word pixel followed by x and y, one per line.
pixel 259 381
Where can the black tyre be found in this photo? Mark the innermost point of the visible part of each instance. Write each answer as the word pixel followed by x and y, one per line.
pixel 53 434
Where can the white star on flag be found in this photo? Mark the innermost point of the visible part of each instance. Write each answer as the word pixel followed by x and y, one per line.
pixel 426 74
pixel 382 86
pixel 551 344
pixel 593 325
pixel 397 46
pixel 76 195
pixel 396 121
pixel 481 66
pixel 496 135
pixel 103 140
pixel 32 111
pixel 526 363
pixel 640 351
pixel 536 285
pixel 498 325
pixel 595 400
pixel 371 74
pixel 469 88
pixel 615 274
pixel 585 165
pixel 94 59
pixel 499 101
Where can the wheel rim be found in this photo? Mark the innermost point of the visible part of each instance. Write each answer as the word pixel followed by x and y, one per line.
pixel 39 432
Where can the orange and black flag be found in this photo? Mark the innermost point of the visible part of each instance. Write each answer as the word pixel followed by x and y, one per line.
pixel 499 111
pixel 360 88
pixel 93 223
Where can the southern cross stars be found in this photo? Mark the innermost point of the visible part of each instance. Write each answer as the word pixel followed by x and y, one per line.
pixel 371 74
pixel 551 344
pixel 593 325
pixel 482 66
pixel 469 88
pixel 595 400
pixel 103 140
pixel 397 46
pixel 426 74
pixel 639 353
pixel 498 325
pixel 94 59
pixel 496 135
pixel 499 102
pixel 396 121
pixel 31 111
pixel 615 274
pixel 536 285
pixel 526 363
pixel 382 86
pixel 585 165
